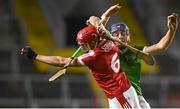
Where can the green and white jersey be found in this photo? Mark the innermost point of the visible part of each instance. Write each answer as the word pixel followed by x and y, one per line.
pixel 131 65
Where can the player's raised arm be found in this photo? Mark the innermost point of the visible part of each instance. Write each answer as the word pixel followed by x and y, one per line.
pixel 109 12
pixel 163 44
pixel 51 60
pixel 95 21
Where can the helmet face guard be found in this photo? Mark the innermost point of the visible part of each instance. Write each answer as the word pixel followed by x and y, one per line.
pixel 120 27
pixel 123 29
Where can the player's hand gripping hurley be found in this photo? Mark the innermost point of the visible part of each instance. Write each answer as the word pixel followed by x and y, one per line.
pixel 64 68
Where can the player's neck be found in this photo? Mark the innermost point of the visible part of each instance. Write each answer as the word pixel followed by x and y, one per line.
pixel 123 50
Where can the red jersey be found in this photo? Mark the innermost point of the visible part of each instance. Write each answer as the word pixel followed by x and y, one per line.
pixel 105 66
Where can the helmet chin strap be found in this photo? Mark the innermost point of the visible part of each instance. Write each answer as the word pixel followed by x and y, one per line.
pixel 96 44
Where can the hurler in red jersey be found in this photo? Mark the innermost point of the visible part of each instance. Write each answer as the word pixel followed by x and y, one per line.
pixel 103 61
pixel 101 56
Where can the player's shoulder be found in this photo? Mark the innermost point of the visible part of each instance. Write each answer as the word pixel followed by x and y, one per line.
pixel 90 53
pixel 82 59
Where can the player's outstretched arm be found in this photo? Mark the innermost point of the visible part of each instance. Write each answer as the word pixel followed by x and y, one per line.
pixel 51 60
pixel 163 44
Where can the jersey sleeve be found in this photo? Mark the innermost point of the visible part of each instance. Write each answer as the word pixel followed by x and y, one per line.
pixel 87 59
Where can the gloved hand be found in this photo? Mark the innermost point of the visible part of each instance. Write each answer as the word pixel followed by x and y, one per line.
pixel 29 53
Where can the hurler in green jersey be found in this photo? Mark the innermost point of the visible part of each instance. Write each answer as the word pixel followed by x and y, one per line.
pixel 131 63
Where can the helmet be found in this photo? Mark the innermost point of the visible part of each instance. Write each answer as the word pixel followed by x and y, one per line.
pixel 87 34
pixel 120 26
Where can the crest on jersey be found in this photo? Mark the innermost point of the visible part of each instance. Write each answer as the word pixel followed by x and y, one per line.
pixel 108 46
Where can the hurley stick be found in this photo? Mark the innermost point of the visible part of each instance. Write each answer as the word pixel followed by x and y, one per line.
pixel 64 68
pixel 145 56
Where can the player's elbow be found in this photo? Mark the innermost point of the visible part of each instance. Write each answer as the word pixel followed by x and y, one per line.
pixel 161 48
pixel 150 60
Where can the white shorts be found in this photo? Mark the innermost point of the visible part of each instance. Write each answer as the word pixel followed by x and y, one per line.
pixel 143 103
pixel 128 99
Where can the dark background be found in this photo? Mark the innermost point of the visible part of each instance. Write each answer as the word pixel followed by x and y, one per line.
pixel 55 24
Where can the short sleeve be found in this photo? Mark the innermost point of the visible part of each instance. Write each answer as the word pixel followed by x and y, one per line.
pixel 87 59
